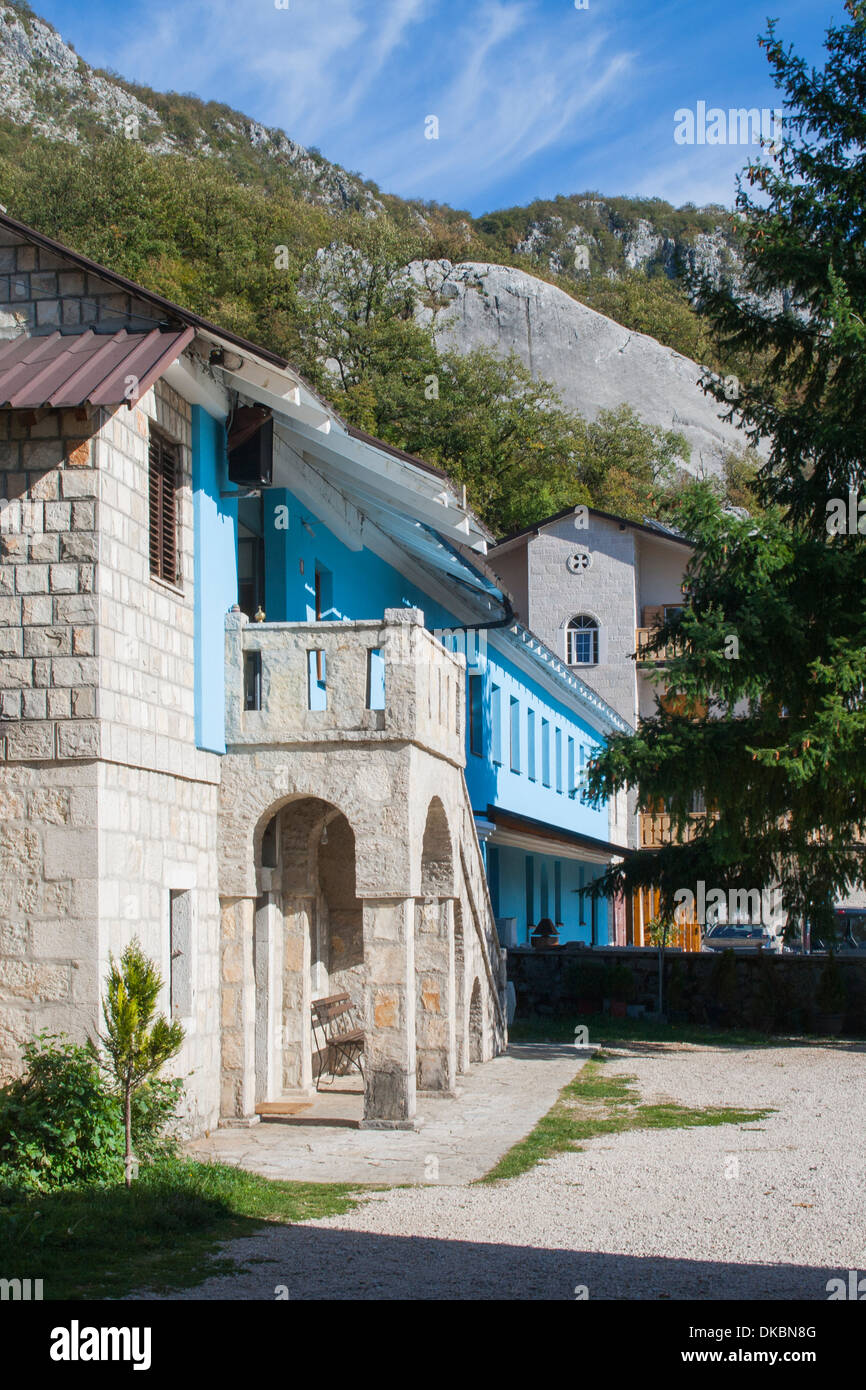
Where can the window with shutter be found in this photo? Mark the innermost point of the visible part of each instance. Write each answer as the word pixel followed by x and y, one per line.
pixel 163 460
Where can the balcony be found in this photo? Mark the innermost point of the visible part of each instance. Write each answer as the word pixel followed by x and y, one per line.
pixel 656 828
pixel 332 682
pixel 643 636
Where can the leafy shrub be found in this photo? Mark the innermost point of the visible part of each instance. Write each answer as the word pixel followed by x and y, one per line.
pixel 154 1108
pixel 59 1124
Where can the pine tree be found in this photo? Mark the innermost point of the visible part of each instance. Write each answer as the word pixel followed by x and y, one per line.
pixel 770 722
pixel 137 1043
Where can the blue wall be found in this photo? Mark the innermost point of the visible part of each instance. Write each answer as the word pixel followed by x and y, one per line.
pixel 216 574
pixel 495 783
pixel 356 585
pixel 507 873
pixel 361 585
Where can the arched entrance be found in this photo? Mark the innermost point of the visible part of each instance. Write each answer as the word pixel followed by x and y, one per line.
pixel 308 938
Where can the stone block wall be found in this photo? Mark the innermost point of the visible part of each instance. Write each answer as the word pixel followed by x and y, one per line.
pixel 772 993
pixel 107 808
pixel 606 591
pixel 42 291
pixel 49 978
pixel 48 551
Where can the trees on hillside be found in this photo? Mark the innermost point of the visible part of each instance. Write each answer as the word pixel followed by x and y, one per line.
pixel 772 659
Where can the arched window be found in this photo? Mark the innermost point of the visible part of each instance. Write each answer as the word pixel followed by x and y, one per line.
pixel 582 641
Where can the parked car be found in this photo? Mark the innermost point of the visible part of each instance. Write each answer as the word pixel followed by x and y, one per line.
pixel 741 936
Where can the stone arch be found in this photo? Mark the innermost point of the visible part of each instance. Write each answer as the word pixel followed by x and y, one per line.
pixel 290 828
pixel 437 858
pixel 308 934
pixel 476 1023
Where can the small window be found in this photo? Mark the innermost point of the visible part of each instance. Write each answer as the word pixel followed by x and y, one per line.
pixel 476 715
pixel 545 752
pixel 163 484
pixel 530 744
pixel 493 877
pixel 375 678
pixel 582 641
pixel 571 784
pixel 180 938
pixel 515 735
pixel 496 723
pixel 317 680
pixel 252 680
pixel 529 889
pixel 584 755
pixel 559 760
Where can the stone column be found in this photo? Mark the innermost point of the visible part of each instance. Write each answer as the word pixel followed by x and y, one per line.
pixel 238 1009
pixel 389 1013
pixel 296 1035
pixel 268 955
pixel 436 1032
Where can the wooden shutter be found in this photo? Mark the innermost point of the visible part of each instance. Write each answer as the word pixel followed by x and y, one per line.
pixel 163 461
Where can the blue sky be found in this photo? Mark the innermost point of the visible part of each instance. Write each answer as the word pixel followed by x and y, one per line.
pixel 533 97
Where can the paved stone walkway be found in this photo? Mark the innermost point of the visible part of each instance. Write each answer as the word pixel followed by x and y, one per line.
pixel 459 1139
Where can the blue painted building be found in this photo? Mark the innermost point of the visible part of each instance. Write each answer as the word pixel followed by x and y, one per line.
pixel 342 535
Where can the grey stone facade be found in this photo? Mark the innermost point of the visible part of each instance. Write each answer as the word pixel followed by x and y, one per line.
pixel 113 824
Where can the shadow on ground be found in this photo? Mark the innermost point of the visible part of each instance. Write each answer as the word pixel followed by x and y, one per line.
pixel 312 1263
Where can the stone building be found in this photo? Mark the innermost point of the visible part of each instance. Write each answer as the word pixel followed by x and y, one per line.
pixel 233 695
pixel 593 586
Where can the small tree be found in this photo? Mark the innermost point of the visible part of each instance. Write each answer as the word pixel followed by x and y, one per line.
pixel 137 1043
pixel 658 930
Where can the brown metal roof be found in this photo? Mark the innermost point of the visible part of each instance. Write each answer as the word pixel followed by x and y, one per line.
pixel 71 369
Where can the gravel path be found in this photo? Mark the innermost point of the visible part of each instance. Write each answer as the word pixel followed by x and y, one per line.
pixel 769 1210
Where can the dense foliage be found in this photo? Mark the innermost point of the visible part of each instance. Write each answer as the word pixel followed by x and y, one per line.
pixel 61 1122
pixel 771 719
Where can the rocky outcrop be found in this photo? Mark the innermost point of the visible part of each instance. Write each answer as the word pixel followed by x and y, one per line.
pixel 595 363
pixel 45 85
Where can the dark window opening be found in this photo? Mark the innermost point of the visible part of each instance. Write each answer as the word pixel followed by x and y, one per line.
pixel 163 460
pixel 252 680
pixel 476 715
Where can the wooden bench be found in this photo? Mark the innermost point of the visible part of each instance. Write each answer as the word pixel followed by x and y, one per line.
pixel 342 1040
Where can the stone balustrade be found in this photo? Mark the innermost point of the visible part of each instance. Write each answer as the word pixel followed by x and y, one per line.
pixel 324 682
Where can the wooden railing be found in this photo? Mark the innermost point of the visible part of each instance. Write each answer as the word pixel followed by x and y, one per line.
pixel 643 636
pixel 656 829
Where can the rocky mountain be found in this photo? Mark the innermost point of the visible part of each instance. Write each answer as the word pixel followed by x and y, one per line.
pixel 46 86
pixel 595 363
pixel 530 280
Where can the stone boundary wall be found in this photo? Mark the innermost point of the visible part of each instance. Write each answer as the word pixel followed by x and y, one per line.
pixel 775 993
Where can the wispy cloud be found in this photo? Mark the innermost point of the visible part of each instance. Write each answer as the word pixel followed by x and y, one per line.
pixel 508 79
pixel 534 97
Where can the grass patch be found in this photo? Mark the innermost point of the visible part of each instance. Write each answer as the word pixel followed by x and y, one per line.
pixel 610 1032
pixel 594 1104
pixel 104 1242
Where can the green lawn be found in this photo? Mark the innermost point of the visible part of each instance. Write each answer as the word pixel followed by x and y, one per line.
pixel 595 1103
pixel 611 1032
pixel 162 1234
